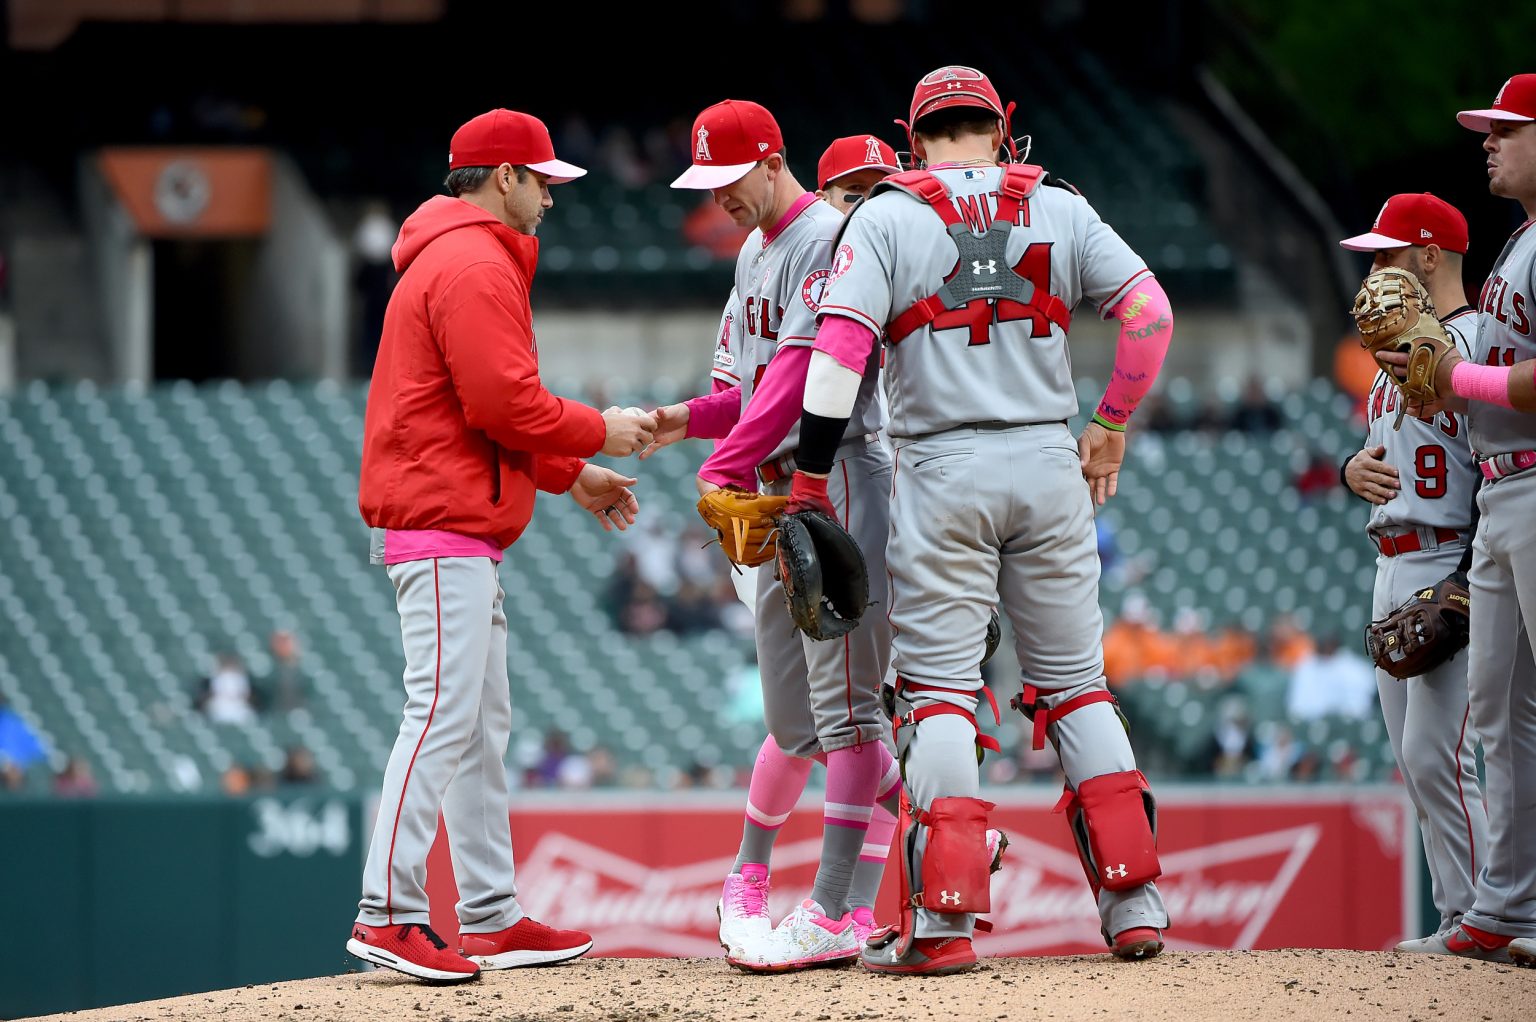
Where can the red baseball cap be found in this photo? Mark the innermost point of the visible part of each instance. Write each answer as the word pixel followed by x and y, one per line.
pixel 955 85
pixel 1413 219
pixel 506 136
pixel 1516 101
pixel 854 153
pixel 729 139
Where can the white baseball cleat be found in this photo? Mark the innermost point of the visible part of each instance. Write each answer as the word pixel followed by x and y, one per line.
pixel 1431 945
pixel 804 939
pixel 1522 951
pixel 743 907
pixel 997 841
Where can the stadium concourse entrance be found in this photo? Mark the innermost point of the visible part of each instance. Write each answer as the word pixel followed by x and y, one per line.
pixel 201 293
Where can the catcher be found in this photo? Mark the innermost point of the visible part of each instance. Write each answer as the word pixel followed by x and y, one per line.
pixel 1419 475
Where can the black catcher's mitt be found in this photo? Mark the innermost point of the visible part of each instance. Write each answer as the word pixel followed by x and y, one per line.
pixel 826 583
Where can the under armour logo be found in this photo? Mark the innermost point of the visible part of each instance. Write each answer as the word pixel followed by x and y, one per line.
pixel 701 149
pixel 978 267
pixel 1110 873
pixel 949 897
pixel 953 85
pixel 871 150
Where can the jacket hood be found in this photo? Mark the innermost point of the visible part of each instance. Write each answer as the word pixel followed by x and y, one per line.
pixel 442 214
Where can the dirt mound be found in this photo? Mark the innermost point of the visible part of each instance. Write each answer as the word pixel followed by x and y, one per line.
pixel 1219 986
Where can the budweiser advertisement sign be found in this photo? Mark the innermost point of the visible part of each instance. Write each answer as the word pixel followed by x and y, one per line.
pixel 1242 868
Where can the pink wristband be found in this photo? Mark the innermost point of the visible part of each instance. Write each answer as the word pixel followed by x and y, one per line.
pixel 1482 383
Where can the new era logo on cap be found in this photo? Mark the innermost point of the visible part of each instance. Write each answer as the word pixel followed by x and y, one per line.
pixel 729 140
pixel 1516 101
pixel 1413 219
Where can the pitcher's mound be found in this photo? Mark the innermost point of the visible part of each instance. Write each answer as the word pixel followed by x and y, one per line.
pixel 1215 986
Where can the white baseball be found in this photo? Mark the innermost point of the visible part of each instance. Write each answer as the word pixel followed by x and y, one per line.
pixel 632 410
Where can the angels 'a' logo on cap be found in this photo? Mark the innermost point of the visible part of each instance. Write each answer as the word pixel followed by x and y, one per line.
pixel 1497 100
pixel 951 73
pixel 871 150
pixel 701 148
pixel 1377 223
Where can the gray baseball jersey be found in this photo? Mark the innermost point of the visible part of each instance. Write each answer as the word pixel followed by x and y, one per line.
pixel 1427 717
pixel 988 498
pixel 1435 471
pixel 1508 305
pixel 956 370
pixel 781 280
pixel 1501 672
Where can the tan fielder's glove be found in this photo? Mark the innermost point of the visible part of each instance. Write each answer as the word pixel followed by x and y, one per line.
pixel 744 522
pixel 1394 313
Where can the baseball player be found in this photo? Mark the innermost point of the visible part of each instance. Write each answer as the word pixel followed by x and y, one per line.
pixel 820 700
pixel 971 271
pixel 1421 479
pixel 846 171
pixel 1497 389
pixel 459 433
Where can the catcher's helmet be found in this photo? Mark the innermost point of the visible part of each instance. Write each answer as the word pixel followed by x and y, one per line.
pixel 958 85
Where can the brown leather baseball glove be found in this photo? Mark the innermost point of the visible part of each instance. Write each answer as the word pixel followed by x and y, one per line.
pixel 1424 632
pixel 1393 312
pixel 744 522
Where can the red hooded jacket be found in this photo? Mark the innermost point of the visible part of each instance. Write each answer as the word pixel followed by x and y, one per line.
pixel 459 430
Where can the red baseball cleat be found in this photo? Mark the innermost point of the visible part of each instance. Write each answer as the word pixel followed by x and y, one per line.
pixel 527 943
pixel 411 948
pixel 1138 942
pixel 928 956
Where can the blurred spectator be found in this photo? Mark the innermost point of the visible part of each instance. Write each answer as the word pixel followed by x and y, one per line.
pixel 1289 645
pixel 693 609
pixel 602 768
pixel 646 613
pixel 1331 682
pixel 373 279
pixel 1255 412
pixel 619 154
pixel 656 555
pixel 1133 646
pixel 1194 654
pixel 235 781
pixel 1232 747
pixel 551 767
pixel 18 745
pixel 225 696
pixel 12 777
pixel 75 780
pixel 285 687
pixel 1354 370
pixel 299 766
pixel 698 559
pixel 261 778
pixel 1320 475
pixel 1278 753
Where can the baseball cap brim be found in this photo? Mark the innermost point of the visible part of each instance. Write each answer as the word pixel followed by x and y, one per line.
pixel 711 177
pixel 1482 120
pixel 558 171
pixel 1372 242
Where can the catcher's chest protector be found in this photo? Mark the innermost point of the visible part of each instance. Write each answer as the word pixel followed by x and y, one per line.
pixel 982 272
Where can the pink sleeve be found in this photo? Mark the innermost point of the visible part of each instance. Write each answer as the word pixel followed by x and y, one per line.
pixel 1482 383
pixel 848 341
pixel 714 416
pixel 771 414
pixel 1146 328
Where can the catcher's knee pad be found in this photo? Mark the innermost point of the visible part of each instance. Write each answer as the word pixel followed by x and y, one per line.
pixel 923 706
pixel 1114 821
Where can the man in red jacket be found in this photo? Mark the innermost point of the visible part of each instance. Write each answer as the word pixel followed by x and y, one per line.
pixel 458 434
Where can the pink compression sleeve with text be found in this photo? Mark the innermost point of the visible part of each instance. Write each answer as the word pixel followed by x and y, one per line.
pixel 1146 329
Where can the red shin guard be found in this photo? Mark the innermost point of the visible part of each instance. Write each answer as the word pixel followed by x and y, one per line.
pixel 1114 820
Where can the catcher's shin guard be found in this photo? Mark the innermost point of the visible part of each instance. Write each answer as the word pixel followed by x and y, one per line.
pixel 1114 821
pixel 956 871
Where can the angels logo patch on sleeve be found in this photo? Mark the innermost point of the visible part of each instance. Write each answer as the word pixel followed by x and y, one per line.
pixel 842 260
pixel 814 288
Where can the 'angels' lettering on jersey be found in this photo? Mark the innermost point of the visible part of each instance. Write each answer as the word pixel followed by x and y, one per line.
pixel 1503 338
